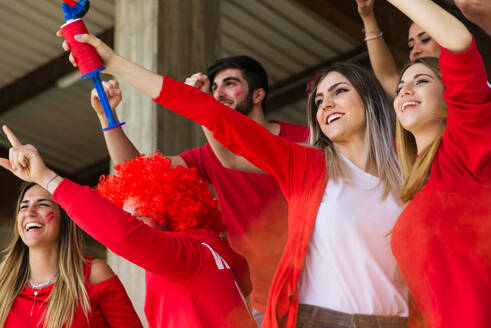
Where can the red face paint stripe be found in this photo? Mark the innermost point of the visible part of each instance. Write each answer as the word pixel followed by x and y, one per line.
pixel 49 217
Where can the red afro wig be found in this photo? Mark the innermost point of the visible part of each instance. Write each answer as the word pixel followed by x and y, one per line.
pixel 174 196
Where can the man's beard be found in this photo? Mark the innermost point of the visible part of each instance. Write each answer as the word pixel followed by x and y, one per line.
pixel 246 105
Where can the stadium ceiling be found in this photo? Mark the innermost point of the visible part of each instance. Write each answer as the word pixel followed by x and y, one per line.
pixel 45 103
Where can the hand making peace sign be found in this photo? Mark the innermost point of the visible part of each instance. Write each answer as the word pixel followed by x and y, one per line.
pixel 25 162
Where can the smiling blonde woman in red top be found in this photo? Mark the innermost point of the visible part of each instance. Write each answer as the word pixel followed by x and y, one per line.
pixel 46 282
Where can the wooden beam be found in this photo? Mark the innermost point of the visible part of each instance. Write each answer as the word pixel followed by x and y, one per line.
pixel 43 78
pixel 292 89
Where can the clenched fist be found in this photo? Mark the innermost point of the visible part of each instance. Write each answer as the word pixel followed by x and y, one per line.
pixel 199 81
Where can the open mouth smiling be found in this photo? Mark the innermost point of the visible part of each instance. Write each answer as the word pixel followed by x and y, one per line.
pixel 333 117
pixel 408 104
pixel 33 226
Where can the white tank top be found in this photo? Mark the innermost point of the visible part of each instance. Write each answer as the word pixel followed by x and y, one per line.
pixel 349 266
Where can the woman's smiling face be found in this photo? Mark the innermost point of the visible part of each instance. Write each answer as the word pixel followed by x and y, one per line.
pixel 38 219
pixel 421 44
pixel 340 110
pixel 419 101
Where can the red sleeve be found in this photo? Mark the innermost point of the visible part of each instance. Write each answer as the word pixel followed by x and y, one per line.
pixel 115 304
pixel 467 137
pixel 164 253
pixel 238 133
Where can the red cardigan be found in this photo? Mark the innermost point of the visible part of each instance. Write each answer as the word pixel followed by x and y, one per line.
pixel 442 240
pixel 110 306
pixel 300 171
pixel 193 279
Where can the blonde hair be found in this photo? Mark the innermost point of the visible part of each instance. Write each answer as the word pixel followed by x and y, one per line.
pixel 379 131
pixel 69 289
pixel 416 168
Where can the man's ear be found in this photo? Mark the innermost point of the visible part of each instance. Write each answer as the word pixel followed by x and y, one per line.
pixel 258 96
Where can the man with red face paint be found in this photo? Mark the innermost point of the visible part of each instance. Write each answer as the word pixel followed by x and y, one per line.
pixel 253 207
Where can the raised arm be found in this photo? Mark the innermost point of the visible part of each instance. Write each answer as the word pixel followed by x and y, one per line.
pixel 118 145
pixel 166 253
pixel 381 59
pixel 228 159
pixel 161 252
pixel 140 78
pixel 241 135
pixel 447 30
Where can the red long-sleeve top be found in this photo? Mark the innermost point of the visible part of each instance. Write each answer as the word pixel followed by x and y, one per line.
pixel 109 303
pixel 300 172
pixel 192 279
pixel 442 240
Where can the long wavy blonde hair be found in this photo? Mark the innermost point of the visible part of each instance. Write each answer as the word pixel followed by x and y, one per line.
pixel 69 289
pixel 416 168
pixel 379 128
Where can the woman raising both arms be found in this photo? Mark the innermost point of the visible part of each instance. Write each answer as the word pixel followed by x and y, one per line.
pixel 420 43
pixel 45 281
pixel 383 64
pixel 442 239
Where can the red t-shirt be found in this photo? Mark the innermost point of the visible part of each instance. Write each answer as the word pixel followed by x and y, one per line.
pixel 442 240
pixel 110 306
pixel 193 279
pixel 254 211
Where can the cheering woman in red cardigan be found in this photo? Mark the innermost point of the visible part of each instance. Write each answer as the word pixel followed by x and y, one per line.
pixel 342 193
pixel 442 239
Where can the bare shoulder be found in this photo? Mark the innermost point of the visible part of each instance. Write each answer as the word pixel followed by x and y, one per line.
pixel 273 127
pixel 177 160
pixel 100 271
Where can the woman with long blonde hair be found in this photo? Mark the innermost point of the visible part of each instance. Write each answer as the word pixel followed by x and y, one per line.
pixel 46 282
pixel 442 238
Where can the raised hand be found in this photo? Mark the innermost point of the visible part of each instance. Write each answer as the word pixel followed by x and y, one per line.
pixel 199 81
pixel 107 55
pixel 113 93
pixel 365 7
pixel 25 162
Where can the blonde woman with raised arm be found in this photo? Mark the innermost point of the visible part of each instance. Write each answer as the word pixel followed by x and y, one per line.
pixel 442 238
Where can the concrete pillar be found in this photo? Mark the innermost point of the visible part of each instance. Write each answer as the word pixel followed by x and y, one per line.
pixel 172 37
pixel 190 43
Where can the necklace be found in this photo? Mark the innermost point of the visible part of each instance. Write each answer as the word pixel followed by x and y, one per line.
pixel 41 285
pixel 37 287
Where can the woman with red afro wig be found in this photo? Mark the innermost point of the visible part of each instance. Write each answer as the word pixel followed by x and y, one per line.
pixel 175 199
pixel 193 277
